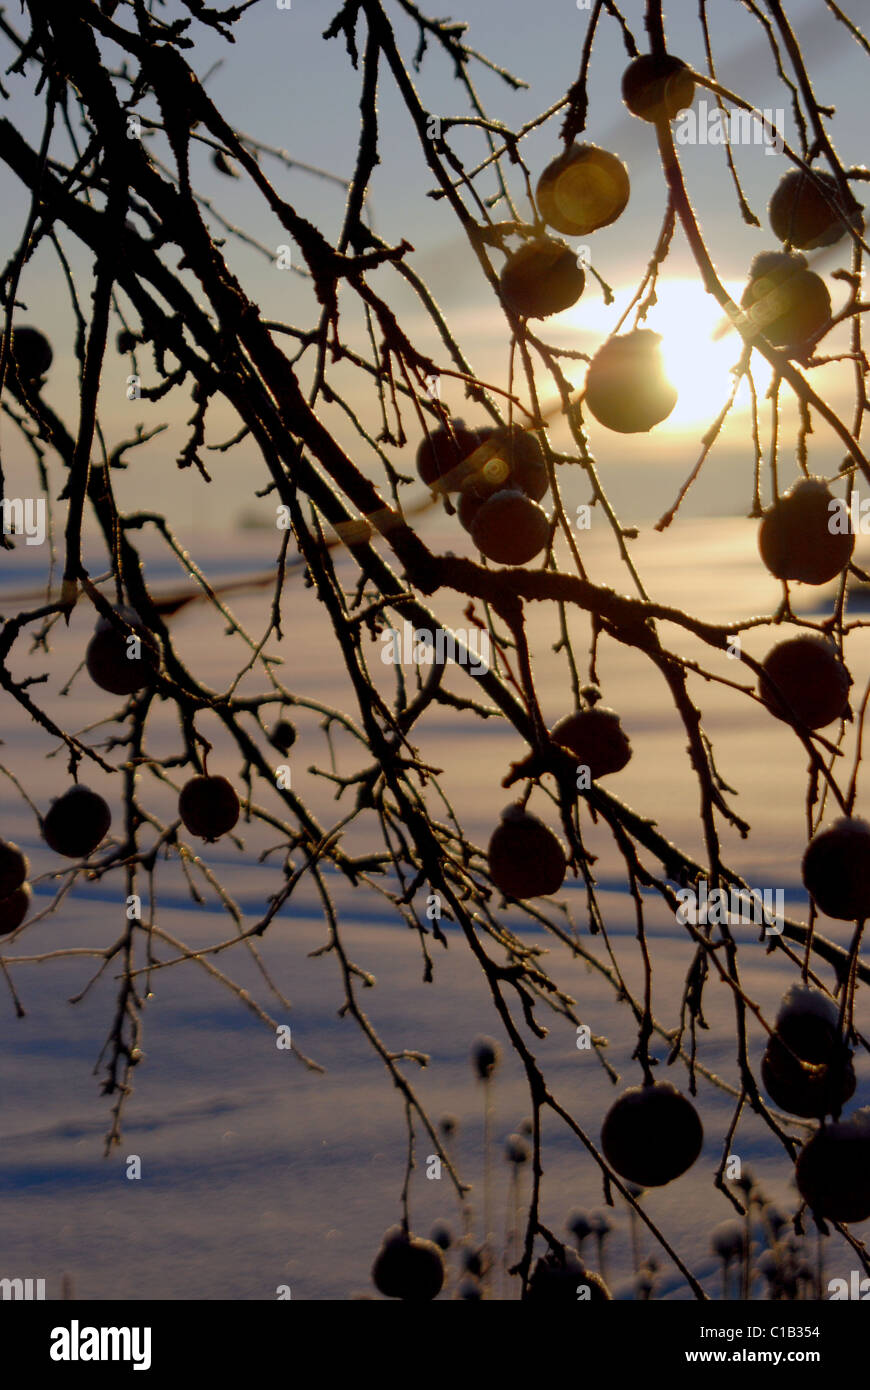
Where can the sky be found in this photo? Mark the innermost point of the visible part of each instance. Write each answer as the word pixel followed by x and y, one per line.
pixel 283 84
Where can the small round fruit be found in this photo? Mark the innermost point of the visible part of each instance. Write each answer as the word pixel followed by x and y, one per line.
pixel 14 867
pixel 801 213
pixel 833 1169
pixel 626 386
pixel 31 352
pixel 811 1094
pixel 596 738
pixel 109 662
pixel 656 88
pixel 836 869
pixel 526 860
pixel 408 1267
pixel 283 736
pixel 785 300
pixel 804 679
pixel 442 450
pixel 806 534
pixel 510 459
pixel 583 189
pixel 76 823
pixel 510 529
pixel 559 1279
pixel 652 1134
pixel 209 807
pixel 14 908
pixel 541 278
pixel 468 505
pixel 522 460
pixel 808 1021
pixel 807 1030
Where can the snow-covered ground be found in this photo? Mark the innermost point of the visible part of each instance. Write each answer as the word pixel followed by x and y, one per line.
pixel 257 1172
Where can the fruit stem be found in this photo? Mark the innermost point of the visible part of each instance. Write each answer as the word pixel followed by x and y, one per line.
pixel 655 27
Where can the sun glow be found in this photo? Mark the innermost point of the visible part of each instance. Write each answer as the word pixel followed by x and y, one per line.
pixel 698 357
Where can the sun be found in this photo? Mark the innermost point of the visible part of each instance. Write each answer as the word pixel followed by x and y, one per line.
pixel 697 354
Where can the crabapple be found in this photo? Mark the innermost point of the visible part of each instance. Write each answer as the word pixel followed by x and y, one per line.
pixel 541 278
pixel 626 386
pixel 806 216
pixel 808 1022
pixel 795 538
pixel 656 87
pixel 804 679
pixel 596 738
pixel 583 189
pixel 443 449
pixel 515 462
pixel 652 1134
pixel 833 1169
pixel 526 860
pixel 836 869
pixel 807 1030
pixel 283 736
pixel 14 867
pixel 76 823
pixel 784 299
pixel 557 1278
pixel 408 1267
pixel 31 352
pixel 811 1094
pixel 14 908
pixel 521 454
pixel 510 528
pixel 468 505
pixel 108 663
pixel 209 807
